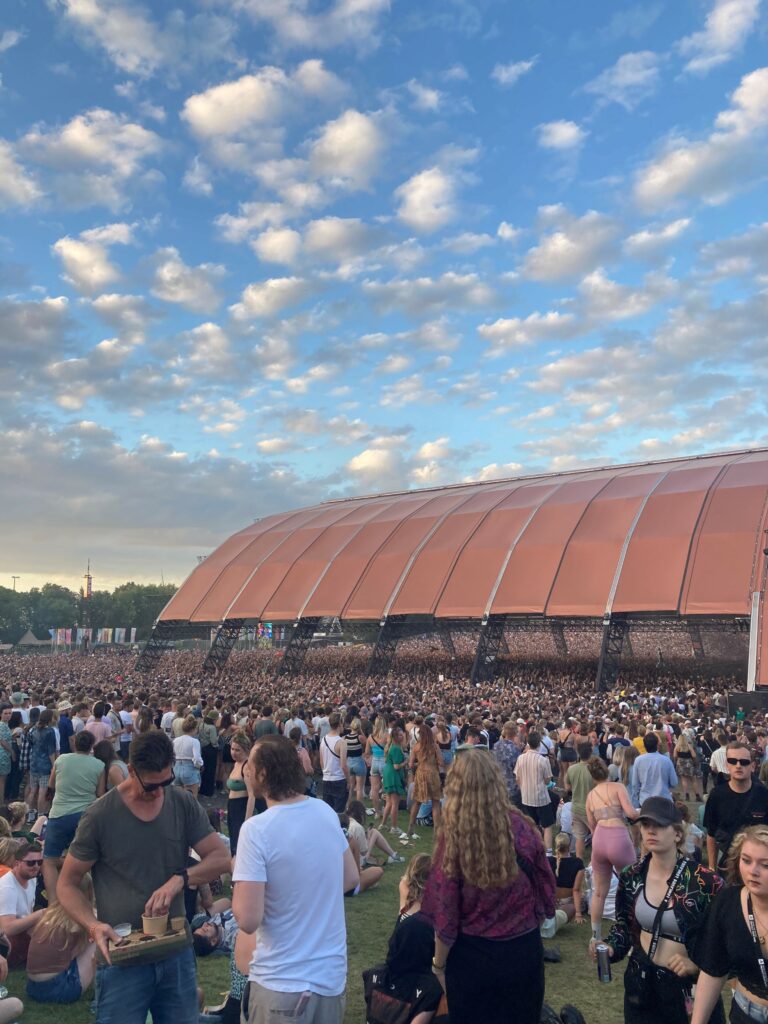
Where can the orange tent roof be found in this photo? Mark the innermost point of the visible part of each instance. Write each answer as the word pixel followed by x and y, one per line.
pixel 685 535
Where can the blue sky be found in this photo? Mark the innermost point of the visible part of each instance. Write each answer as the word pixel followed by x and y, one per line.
pixel 259 253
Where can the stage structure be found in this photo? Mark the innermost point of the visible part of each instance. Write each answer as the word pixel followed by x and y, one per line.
pixel 679 546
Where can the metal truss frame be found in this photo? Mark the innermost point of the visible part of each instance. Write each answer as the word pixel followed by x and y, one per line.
pixel 444 631
pixel 489 646
pixel 221 648
pixel 296 650
pixel 697 644
pixel 164 632
pixel 615 629
pixel 391 632
pixel 558 637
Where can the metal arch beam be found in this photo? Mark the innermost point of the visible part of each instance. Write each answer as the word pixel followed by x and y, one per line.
pixel 615 629
pixel 488 649
pixel 298 645
pixel 226 637
pixel 165 631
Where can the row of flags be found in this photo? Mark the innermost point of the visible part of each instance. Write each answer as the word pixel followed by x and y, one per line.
pixel 104 635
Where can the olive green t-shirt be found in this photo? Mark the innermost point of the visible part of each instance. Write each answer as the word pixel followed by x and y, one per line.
pixel 77 777
pixel 580 782
pixel 132 858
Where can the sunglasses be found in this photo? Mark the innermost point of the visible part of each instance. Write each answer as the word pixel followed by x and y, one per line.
pixel 32 863
pixel 743 761
pixel 152 787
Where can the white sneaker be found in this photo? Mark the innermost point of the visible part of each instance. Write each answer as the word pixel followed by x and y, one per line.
pixel 370 811
pixel 395 858
pixel 414 835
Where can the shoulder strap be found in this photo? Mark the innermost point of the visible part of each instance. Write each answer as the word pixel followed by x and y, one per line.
pixel 664 906
pixel 330 748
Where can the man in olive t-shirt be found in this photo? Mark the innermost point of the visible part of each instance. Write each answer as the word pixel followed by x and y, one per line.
pixel 579 782
pixel 135 842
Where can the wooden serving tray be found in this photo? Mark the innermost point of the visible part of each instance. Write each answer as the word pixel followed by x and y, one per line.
pixel 140 948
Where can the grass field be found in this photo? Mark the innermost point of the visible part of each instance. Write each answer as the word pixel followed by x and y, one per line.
pixel 370 919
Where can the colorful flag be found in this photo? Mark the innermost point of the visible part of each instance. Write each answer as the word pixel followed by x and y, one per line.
pixel 67 636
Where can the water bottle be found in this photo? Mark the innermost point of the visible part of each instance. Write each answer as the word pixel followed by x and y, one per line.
pixel 603 963
pixel 3 992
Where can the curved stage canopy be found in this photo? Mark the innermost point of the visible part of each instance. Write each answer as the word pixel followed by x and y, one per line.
pixel 684 537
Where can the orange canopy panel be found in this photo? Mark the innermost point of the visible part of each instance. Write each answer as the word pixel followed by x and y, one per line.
pixel 685 535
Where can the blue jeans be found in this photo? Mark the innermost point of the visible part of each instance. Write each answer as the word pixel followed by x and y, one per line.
pixel 167 990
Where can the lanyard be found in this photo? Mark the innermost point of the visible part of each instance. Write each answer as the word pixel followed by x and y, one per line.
pixel 663 906
pixel 756 940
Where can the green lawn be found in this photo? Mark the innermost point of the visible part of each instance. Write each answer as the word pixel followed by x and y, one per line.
pixel 370 919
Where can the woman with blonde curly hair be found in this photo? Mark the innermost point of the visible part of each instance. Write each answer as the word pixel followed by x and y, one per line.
pixel 734 940
pixel 489 889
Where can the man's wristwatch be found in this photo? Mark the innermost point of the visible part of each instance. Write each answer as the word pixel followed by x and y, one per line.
pixel 185 876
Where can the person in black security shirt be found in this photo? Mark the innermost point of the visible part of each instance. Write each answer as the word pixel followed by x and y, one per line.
pixel 404 988
pixel 741 802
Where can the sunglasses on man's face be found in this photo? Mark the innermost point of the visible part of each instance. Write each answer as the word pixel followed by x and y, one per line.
pixel 152 787
pixel 743 761
pixel 32 863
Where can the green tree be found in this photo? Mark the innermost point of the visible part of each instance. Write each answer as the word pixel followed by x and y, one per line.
pixel 51 607
pixel 12 619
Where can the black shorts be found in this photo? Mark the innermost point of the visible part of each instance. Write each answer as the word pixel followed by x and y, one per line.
pixel 543 816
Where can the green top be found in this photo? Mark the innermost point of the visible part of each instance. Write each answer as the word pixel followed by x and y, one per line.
pixel 236 785
pixel 580 782
pixel 77 776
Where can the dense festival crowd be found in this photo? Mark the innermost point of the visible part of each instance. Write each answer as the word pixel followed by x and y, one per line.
pixel 130 805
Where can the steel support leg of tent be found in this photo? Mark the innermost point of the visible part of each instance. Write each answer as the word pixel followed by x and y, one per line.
pixel 164 631
pixel 558 637
pixel 221 648
pixel 489 646
pixel 390 633
pixel 615 629
pixel 444 631
pixel 298 645
pixel 697 644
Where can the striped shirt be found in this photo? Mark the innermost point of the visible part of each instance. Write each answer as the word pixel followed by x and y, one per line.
pixel 533 772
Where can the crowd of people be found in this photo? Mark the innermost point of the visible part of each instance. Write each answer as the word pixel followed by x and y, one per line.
pixel 142 797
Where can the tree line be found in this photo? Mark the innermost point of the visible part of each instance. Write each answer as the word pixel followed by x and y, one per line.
pixel 55 607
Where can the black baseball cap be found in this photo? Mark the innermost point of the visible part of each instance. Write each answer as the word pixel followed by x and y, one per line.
pixel 660 811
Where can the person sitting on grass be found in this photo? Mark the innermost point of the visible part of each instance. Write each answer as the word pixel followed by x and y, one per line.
pixel 370 839
pixel 404 988
pixel 369 876
pixel 411 885
pixel 61 962
pixel 569 876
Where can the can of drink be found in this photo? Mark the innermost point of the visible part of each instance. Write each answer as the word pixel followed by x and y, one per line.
pixel 603 963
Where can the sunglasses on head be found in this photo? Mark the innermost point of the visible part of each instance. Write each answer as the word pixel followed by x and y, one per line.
pixel 152 787
pixel 743 761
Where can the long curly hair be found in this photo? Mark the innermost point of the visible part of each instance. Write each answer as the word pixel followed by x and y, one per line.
pixel 478 845
pixel 752 834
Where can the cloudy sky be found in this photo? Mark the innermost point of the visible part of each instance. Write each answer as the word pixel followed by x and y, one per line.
pixel 259 253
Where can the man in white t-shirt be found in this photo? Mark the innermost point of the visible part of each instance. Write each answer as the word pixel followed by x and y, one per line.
pixel 17 900
pixel 168 717
pixel 295 851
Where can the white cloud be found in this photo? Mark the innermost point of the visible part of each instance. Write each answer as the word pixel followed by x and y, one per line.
pixel 275 445
pixel 514 332
pixel 496 471
pixel 191 287
pixel 10 38
pixel 267 298
pixel 130 315
pixel 394 363
pixel 424 295
pixel 725 31
pixel 507 232
pixel 277 245
pixel 197 178
pixel 125 31
pixel 86 260
pixel 93 157
pixel 578 246
pixel 339 238
pixel 468 242
pixel 509 74
pixel 250 218
pixel 651 241
pixel 347 150
pixel 741 254
pixel 633 78
pixel 378 468
pixel 342 23
pixel 560 135
pixel 424 98
pixel 232 107
pixel 604 300
pixel 727 160
pixel 17 186
pixel 427 200
pixel 209 354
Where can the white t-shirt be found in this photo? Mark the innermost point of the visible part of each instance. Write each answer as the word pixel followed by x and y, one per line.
pixel 187 748
pixel 127 719
pixel 166 720
pixel 14 898
pixel 297 849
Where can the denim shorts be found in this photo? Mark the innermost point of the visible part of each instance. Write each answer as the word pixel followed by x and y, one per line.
pixel 185 774
pixel 59 833
pixel 62 988
pixel 377 766
pixel 357 766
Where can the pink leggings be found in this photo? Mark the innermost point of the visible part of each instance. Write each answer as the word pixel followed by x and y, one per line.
pixel 611 848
